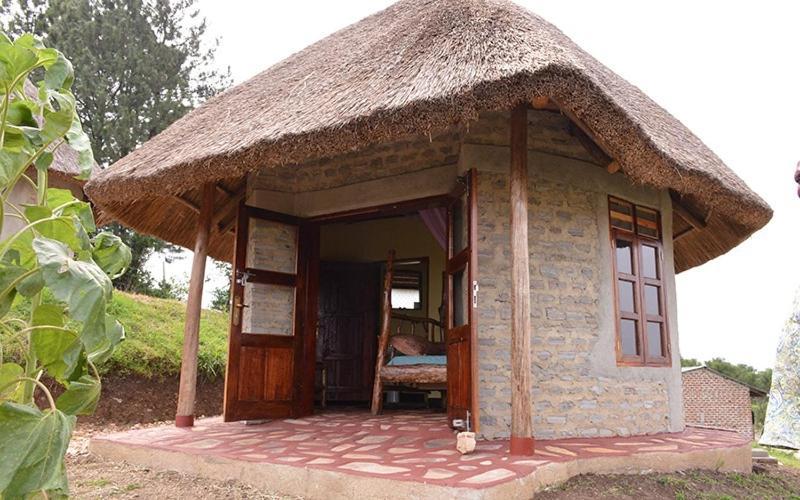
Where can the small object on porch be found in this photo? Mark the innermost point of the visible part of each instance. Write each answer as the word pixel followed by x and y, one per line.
pixel 465 442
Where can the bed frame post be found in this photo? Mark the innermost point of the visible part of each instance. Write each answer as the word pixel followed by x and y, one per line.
pixel 521 421
pixel 383 340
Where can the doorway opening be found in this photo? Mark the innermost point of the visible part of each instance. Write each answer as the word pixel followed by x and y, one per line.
pixel 307 296
pixel 352 266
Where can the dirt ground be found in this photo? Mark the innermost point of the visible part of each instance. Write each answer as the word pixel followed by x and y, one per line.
pixel 133 400
pixel 767 482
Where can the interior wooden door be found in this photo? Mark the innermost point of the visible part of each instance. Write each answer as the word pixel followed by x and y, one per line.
pixel 348 326
pixel 273 317
pixel 461 299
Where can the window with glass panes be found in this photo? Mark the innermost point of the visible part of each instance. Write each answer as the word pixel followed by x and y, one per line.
pixel 642 334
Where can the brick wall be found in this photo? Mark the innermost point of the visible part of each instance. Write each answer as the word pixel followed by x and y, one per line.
pixel 712 400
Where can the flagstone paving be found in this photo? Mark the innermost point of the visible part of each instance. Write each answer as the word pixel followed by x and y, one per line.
pixel 401 446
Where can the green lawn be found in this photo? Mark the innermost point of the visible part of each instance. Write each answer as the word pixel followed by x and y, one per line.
pixel 154 337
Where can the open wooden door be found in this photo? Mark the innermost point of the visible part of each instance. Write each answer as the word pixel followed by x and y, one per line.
pixel 270 372
pixel 461 299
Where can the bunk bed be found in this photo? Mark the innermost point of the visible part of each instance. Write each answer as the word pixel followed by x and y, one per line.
pixel 421 363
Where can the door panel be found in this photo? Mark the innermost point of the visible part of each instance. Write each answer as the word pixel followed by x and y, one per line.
pixel 269 333
pixel 461 285
pixel 347 338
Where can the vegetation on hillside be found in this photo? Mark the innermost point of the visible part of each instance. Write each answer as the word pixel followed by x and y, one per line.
pixel 153 337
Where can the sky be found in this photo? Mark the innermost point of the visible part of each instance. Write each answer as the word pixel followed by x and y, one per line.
pixel 730 71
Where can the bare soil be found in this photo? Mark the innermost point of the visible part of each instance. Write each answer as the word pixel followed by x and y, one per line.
pixel 134 400
pixel 767 482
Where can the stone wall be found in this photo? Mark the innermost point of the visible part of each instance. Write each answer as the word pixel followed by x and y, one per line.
pixel 578 389
pixel 709 399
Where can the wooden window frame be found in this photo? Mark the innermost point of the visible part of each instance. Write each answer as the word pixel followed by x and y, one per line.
pixel 639 281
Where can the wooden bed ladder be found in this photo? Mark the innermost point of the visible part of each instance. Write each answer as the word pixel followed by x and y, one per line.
pixel 383 340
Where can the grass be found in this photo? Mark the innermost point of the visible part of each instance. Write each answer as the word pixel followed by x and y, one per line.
pixel 785 457
pixel 154 337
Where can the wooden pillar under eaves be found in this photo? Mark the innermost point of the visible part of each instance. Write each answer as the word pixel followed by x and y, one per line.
pixel 191 332
pixel 521 406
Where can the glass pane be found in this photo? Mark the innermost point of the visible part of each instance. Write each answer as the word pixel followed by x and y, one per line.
pixel 460 298
pixel 627 332
pixel 272 246
pixel 626 301
pixel 270 309
pixel 647 222
pixel 624 257
pixel 460 231
pixel 654 347
pixel 650 262
pixel 652 304
pixel 404 298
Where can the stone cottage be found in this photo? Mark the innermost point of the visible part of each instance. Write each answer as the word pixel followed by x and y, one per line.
pixel 542 204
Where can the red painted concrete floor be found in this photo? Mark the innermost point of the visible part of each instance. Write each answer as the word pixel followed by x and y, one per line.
pixel 400 446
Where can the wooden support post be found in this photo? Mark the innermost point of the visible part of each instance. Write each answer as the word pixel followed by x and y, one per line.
pixel 521 407
pixel 383 340
pixel 191 332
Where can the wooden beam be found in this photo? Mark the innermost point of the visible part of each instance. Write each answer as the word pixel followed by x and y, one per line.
pixel 613 167
pixel 694 220
pixel 191 332
pixel 683 233
pixel 188 204
pixel 383 339
pixel 521 406
pixel 227 212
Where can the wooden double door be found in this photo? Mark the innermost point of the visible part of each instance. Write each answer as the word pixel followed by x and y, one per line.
pixel 275 296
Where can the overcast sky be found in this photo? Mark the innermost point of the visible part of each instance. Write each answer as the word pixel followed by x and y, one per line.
pixel 730 71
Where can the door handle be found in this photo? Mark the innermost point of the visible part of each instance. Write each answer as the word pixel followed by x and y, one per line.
pixel 238 306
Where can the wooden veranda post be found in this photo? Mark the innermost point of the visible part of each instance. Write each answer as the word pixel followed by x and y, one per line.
pixel 521 407
pixel 191 332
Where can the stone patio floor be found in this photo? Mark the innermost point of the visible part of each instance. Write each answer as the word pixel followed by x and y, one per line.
pixel 400 446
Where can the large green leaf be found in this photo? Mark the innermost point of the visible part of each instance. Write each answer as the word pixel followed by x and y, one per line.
pixel 83 286
pixel 11 164
pixel 79 141
pixel 59 74
pixel 57 348
pixel 58 118
pixel 60 197
pixel 81 396
pixel 111 254
pixel 9 277
pixel 9 372
pixel 32 448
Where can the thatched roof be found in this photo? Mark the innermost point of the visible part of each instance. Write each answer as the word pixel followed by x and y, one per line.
pixel 420 66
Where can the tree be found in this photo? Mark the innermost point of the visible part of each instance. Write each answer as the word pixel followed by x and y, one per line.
pixel 221 296
pixel 52 256
pixel 141 66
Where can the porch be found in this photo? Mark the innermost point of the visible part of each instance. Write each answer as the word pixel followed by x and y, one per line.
pixel 339 454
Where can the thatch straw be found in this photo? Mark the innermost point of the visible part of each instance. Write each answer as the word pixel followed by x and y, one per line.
pixel 420 66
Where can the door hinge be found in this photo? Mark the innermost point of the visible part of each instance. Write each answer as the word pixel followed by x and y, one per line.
pixel 475 289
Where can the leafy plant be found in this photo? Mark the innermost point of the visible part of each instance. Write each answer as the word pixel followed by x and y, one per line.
pixel 53 252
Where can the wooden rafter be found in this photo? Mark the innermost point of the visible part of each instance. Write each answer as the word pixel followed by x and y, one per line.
pixel 593 144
